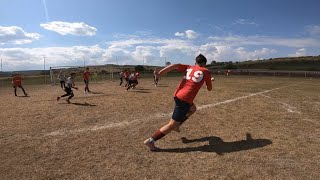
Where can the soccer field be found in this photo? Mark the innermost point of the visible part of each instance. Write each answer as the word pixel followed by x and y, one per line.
pixel 245 128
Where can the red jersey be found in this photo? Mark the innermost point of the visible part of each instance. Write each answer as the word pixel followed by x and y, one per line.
pixel 86 75
pixel 126 74
pixel 194 78
pixel 134 76
pixel 16 80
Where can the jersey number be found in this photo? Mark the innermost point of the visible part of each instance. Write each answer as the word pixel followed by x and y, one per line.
pixel 197 76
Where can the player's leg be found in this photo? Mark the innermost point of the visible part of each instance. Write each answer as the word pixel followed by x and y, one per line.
pixel 129 84
pixel 164 130
pixel 15 90
pixel 88 86
pixel 24 92
pixel 192 110
pixel 180 111
pixel 121 81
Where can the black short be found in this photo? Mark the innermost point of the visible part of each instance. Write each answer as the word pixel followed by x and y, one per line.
pixel 133 81
pixel 68 90
pixel 86 82
pixel 181 109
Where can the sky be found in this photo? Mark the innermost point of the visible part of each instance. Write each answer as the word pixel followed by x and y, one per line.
pixel 38 34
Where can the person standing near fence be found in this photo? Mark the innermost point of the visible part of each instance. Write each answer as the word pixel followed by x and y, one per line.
pixel 17 82
pixel 155 77
pixel 194 77
pixel 121 74
pixel 86 76
pixel 62 79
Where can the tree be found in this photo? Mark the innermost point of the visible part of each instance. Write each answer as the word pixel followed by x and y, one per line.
pixel 139 68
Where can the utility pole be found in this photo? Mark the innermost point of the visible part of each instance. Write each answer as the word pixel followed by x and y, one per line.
pixel 84 62
pixel 44 69
pixel 1 64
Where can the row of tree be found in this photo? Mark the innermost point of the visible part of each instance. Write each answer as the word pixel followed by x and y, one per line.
pixel 306 63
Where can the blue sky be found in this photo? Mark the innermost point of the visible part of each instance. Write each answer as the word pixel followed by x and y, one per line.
pixel 69 33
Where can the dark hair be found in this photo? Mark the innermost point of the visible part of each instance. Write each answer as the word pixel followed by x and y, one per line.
pixel 200 59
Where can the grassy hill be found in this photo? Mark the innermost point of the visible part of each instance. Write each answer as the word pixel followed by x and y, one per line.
pixel 304 63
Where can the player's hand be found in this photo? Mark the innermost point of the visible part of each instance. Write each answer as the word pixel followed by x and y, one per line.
pixel 212 79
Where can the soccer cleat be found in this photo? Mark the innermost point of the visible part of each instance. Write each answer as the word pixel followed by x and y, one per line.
pixel 25 94
pixel 58 98
pixel 68 101
pixel 151 145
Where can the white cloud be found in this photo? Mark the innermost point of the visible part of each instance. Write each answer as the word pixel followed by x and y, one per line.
pixel 179 34
pixel 265 40
pixel 313 30
pixel 244 22
pixel 299 52
pixel 229 53
pixel 65 28
pixel 16 35
pixel 190 34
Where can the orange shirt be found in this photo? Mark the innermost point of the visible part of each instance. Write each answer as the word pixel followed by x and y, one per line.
pixel 16 80
pixel 194 78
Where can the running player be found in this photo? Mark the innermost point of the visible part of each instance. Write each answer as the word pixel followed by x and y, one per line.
pixel 126 76
pixel 17 82
pixel 184 95
pixel 68 88
pixel 133 80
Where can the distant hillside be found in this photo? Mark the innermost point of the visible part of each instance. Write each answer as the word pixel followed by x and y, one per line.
pixel 305 63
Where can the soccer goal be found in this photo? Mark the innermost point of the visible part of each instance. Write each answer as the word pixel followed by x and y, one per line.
pixel 65 70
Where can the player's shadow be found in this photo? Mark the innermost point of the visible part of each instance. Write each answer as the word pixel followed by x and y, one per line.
pixel 162 85
pixel 140 91
pixel 84 104
pixel 92 92
pixel 22 96
pixel 217 145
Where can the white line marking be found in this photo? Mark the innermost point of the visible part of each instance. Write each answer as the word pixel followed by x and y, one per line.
pixel 160 115
pixel 288 107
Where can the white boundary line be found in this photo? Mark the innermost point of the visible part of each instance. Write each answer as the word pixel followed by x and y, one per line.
pixel 160 115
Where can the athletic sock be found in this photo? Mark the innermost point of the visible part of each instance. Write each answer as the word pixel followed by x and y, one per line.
pixel 157 135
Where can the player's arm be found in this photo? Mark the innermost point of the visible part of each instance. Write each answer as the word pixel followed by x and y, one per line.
pixel 168 69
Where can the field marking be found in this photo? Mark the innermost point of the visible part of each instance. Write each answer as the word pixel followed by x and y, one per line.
pixel 159 115
pixel 288 107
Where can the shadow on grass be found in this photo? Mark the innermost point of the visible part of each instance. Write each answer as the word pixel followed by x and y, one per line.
pixel 217 145
pixel 92 92
pixel 162 85
pixel 140 91
pixel 83 104
pixel 23 96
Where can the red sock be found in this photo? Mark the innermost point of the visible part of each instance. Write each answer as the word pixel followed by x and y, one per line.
pixel 157 135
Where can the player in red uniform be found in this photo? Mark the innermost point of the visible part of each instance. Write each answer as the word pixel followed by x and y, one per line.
pixel 126 76
pixel 17 82
pixel 133 80
pixel 86 76
pixel 184 95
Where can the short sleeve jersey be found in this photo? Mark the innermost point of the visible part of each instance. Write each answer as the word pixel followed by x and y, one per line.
pixel 16 80
pixel 134 76
pixel 86 75
pixel 194 78
pixel 70 82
